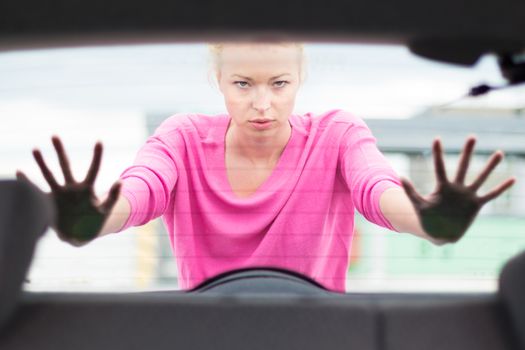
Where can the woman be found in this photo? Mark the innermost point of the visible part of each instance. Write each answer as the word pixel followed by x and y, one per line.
pixel 262 186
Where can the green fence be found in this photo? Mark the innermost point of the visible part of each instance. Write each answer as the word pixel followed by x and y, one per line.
pixel 488 244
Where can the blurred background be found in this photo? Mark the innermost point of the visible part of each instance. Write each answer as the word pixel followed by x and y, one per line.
pixel 120 94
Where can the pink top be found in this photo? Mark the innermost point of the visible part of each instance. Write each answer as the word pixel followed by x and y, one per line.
pixel 301 218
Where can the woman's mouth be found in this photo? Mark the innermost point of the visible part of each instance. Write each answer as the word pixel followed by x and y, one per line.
pixel 261 124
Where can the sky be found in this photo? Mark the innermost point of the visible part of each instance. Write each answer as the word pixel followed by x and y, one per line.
pixel 372 81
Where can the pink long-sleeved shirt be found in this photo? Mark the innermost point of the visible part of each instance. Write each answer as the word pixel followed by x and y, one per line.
pixel 301 218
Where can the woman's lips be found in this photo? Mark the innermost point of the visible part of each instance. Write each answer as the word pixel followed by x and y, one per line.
pixel 261 124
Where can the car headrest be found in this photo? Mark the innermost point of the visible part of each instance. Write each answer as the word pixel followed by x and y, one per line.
pixel 25 213
pixel 512 292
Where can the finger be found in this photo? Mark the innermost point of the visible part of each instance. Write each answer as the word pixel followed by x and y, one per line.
pixel 498 190
pixel 411 192
pixel 95 165
pixel 491 164
pixel 45 170
pixel 439 165
pixel 20 176
pixel 465 160
pixel 62 158
pixel 112 197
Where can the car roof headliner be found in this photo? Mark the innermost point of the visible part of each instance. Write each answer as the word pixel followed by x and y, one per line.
pixel 446 30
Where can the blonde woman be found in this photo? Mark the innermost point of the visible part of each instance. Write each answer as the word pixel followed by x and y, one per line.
pixel 261 186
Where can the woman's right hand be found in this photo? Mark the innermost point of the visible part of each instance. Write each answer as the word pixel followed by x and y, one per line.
pixel 79 214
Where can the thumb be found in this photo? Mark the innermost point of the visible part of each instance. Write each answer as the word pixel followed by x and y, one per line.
pixel 112 198
pixel 411 192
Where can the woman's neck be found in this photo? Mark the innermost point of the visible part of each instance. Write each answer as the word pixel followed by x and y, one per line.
pixel 258 150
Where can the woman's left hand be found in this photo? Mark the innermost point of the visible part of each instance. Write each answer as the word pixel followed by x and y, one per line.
pixel 447 213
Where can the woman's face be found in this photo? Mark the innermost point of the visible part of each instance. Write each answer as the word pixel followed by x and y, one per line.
pixel 259 83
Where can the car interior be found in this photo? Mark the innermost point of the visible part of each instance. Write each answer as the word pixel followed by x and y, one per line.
pixel 257 308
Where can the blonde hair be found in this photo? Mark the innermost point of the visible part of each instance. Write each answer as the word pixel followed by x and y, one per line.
pixel 215 50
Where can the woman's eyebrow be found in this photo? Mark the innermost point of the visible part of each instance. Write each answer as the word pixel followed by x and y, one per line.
pixel 250 79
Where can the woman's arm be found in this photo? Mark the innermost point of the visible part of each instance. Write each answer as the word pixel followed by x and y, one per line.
pixel 147 184
pixel 82 217
pixel 117 217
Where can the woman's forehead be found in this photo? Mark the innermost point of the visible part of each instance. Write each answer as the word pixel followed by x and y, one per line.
pixel 259 61
pixel 259 53
pixel 263 70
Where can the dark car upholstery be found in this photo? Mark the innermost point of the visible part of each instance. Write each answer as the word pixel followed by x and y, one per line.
pixel 24 215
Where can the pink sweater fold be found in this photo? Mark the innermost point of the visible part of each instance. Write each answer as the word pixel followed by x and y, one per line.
pixel 301 218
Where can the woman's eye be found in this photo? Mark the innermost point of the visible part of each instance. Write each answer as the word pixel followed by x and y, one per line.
pixel 241 84
pixel 280 83
pixel 245 84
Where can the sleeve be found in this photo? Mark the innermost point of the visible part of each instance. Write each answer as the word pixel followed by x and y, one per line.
pixel 148 183
pixel 366 171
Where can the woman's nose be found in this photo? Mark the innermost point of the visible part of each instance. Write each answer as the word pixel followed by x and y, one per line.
pixel 262 100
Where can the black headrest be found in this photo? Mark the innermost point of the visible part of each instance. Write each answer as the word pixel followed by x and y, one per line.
pixel 512 291
pixel 25 213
